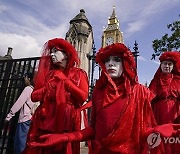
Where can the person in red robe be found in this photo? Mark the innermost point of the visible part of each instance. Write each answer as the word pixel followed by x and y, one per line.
pixel 166 87
pixel 61 88
pixel 121 117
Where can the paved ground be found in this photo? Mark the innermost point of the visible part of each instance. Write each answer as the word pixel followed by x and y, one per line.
pixel 84 150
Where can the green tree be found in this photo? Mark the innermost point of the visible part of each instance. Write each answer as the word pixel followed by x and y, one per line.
pixel 168 43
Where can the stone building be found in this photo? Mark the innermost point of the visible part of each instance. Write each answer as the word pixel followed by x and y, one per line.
pixel 80 35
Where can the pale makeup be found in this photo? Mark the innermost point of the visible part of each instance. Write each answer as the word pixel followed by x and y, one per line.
pixel 59 58
pixel 114 66
pixel 167 66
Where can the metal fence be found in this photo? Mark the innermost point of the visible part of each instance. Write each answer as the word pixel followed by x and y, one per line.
pixel 11 86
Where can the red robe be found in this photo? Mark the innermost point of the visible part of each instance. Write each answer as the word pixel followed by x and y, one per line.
pixel 121 126
pixel 59 111
pixel 166 104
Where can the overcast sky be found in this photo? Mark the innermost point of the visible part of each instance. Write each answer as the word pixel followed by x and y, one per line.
pixel 25 25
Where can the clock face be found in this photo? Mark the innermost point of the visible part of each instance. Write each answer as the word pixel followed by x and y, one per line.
pixel 109 41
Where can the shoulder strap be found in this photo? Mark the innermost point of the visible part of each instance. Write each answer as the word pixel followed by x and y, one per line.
pixel 31 86
pixel 28 105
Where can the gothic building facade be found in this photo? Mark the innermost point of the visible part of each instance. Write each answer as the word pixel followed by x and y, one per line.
pixel 80 35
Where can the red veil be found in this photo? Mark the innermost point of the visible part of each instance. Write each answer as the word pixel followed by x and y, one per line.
pixel 129 71
pixel 46 64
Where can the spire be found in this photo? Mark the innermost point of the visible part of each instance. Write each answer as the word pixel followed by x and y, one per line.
pixel 113 19
pixel 80 16
pixel 113 13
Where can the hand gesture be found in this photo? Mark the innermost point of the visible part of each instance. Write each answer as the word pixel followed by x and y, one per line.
pixel 168 130
pixel 49 140
pixel 60 75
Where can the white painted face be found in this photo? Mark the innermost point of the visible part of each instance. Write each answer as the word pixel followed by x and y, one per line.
pixel 114 66
pixel 167 66
pixel 59 58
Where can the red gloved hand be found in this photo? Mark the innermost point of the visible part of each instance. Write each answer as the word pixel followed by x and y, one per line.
pixel 60 75
pixel 53 139
pixel 49 140
pixel 168 130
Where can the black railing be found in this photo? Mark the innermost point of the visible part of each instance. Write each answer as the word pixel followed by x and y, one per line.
pixel 11 86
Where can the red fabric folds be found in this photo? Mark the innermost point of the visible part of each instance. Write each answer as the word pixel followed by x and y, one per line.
pixel 166 87
pixel 127 134
pixel 61 94
pixel 121 111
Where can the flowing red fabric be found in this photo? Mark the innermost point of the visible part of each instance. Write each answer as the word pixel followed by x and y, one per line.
pixel 166 87
pixel 121 111
pixel 129 75
pixel 128 133
pixel 61 94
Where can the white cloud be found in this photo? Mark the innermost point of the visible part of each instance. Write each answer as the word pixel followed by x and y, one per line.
pixel 134 27
pixel 3 8
pixel 42 20
pixel 23 46
pixel 143 12
pixel 141 58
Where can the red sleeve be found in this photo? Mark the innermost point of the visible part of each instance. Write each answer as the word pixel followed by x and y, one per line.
pixel 79 92
pixel 82 135
pixel 152 86
pixel 38 95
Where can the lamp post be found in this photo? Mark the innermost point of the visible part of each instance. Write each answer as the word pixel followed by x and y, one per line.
pixel 136 52
pixel 91 57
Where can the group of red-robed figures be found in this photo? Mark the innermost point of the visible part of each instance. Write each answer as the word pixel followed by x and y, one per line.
pixel 124 113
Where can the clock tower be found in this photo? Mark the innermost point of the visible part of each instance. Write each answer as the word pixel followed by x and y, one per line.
pixel 112 33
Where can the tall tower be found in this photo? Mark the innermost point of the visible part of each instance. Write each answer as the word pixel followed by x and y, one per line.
pixel 112 33
pixel 80 35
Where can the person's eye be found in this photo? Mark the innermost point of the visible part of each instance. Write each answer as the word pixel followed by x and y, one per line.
pixel 106 60
pixel 55 50
pixel 117 59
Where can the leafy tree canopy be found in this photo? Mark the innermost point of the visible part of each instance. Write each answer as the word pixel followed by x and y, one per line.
pixel 168 43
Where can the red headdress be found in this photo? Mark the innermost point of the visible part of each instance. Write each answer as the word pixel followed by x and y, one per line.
pixel 160 79
pixel 174 57
pixel 120 50
pixel 129 70
pixel 46 64
pixel 171 56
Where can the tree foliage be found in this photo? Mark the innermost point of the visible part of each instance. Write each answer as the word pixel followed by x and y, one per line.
pixel 168 43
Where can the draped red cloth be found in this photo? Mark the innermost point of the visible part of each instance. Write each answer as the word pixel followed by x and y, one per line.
pixel 61 94
pixel 59 112
pixel 123 129
pixel 121 110
pixel 166 104
pixel 166 87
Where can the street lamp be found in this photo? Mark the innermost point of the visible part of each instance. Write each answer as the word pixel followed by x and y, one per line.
pixel 92 56
pixel 136 52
